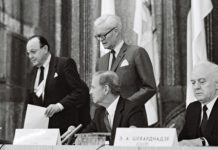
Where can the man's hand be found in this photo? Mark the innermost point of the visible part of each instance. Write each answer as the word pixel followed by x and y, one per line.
pixel 193 142
pixel 52 109
pixel 65 135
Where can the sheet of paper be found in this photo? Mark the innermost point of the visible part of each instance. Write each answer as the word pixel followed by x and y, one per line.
pixel 35 118
pixel 37 137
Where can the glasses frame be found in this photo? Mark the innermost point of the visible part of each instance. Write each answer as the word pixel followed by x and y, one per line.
pixel 103 37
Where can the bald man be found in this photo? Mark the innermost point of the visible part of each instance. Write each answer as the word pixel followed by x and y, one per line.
pixel 201 121
pixel 56 85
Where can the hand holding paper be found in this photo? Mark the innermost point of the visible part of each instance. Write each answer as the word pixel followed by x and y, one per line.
pixel 51 110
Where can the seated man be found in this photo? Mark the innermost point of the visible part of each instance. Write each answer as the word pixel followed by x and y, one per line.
pixel 201 121
pixel 114 111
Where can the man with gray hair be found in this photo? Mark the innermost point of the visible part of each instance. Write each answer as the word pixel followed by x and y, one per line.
pixel 201 121
pixel 131 63
pixel 114 111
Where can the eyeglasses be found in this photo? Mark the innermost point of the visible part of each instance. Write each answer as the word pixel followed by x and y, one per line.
pixel 103 37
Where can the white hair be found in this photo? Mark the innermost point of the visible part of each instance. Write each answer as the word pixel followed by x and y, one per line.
pixel 109 21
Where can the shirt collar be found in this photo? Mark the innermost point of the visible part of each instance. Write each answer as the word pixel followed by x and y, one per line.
pixel 210 105
pixel 118 47
pixel 111 109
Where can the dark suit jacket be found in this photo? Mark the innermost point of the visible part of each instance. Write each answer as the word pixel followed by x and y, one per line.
pixel 191 129
pixel 137 79
pixel 127 113
pixel 67 88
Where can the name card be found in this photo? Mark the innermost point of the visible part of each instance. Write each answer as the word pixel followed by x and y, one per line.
pixel 157 137
pixel 37 137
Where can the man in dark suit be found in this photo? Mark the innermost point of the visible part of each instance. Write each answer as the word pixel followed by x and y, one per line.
pixel 201 121
pixel 56 85
pixel 131 63
pixel 114 111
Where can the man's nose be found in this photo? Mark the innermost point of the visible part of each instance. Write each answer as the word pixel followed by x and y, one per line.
pixel 197 86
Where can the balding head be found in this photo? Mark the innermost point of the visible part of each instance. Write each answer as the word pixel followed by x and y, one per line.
pixel 204 80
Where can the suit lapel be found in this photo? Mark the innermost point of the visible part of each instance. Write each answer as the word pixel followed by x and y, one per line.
pixel 118 113
pixel 51 71
pixel 212 118
pixel 119 57
pixel 33 78
pixel 105 63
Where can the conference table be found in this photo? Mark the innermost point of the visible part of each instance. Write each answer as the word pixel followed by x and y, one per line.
pixel 67 147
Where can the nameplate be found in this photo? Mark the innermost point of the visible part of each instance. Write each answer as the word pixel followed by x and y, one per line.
pixel 156 137
pixel 37 137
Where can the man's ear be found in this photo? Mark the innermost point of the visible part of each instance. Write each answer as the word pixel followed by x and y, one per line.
pixel 106 89
pixel 46 47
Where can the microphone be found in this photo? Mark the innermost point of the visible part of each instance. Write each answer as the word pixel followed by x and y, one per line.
pixel 68 136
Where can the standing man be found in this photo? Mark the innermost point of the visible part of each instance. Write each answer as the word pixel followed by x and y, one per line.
pixel 131 63
pixel 114 110
pixel 201 121
pixel 56 85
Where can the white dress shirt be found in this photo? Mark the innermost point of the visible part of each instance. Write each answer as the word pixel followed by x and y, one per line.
pixel 46 67
pixel 111 111
pixel 209 107
pixel 117 50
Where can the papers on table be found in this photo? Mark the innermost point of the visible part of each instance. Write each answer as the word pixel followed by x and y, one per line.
pixel 36 130
pixel 37 137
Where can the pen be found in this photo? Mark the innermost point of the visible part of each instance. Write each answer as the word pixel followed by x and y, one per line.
pixel 71 133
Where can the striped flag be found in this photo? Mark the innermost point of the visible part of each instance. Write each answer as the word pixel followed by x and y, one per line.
pixel 196 40
pixel 144 26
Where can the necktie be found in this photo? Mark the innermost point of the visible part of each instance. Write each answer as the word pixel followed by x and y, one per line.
pixel 41 77
pixel 113 57
pixel 204 120
pixel 106 121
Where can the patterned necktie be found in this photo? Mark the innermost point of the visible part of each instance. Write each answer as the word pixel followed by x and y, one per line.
pixel 204 120
pixel 41 77
pixel 106 121
pixel 113 57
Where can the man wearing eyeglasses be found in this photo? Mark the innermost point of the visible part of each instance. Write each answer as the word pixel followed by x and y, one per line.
pixel 55 84
pixel 130 62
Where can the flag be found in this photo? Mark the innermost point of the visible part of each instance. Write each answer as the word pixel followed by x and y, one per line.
pixel 144 26
pixel 196 40
pixel 107 7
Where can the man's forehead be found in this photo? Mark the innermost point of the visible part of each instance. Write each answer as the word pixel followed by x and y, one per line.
pixel 33 43
pixel 202 72
pixel 95 79
pixel 101 29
